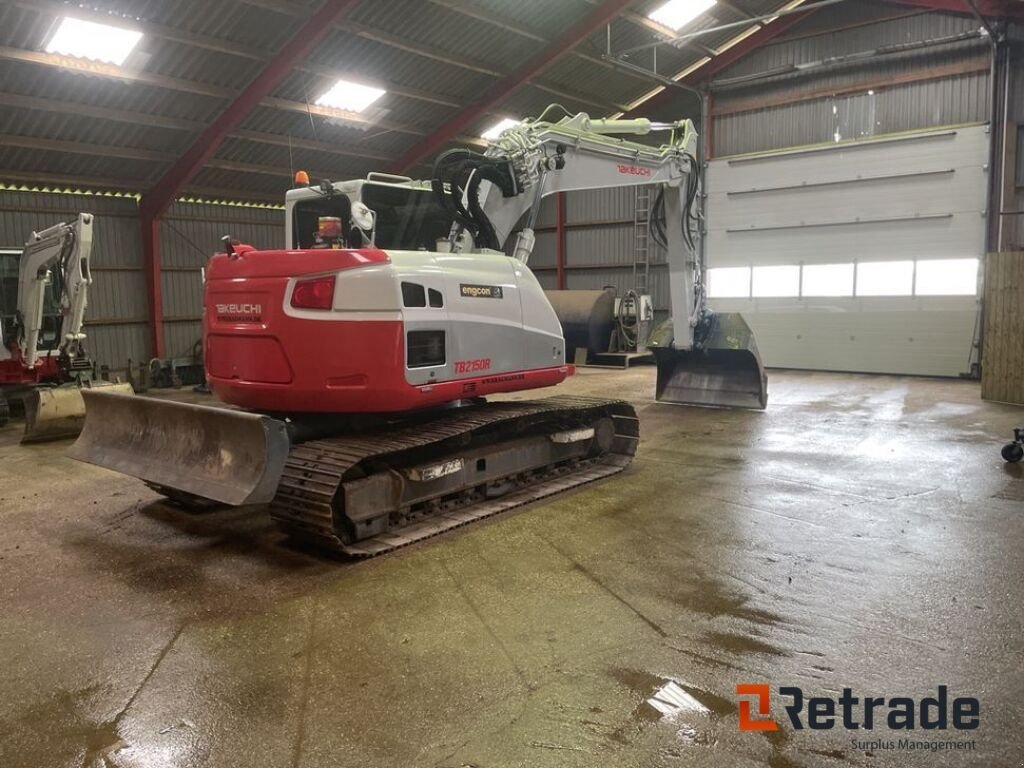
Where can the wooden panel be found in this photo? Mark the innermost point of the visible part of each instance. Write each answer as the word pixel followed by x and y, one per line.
pixel 1002 372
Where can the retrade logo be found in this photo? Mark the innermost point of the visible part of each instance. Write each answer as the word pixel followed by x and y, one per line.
pixel 938 712
pixel 762 694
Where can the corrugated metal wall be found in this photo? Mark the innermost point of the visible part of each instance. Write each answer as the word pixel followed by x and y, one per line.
pixel 117 316
pixel 939 85
pixel 599 236
pixel 188 235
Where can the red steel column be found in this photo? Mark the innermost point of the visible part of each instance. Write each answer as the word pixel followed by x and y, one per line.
pixel 151 259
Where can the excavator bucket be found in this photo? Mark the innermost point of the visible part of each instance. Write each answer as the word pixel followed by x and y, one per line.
pixel 52 414
pixel 725 370
pixel 187 450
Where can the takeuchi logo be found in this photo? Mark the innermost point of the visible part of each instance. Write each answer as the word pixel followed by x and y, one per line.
pixel 850 712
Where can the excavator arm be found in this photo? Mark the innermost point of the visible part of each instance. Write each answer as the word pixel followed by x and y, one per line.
pixel 703 357
pixel 60 253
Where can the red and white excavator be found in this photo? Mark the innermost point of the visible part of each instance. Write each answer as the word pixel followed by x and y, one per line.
pixel 43 295
pixel 357 359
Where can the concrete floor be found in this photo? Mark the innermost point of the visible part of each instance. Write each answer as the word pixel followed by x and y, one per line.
pixel 862 532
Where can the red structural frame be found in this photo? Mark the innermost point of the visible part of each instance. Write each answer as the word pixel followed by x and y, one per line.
pixel 499 90
pixel 725 59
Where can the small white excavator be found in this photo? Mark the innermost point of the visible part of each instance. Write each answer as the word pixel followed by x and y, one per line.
pixel 43 296
pixel 357 359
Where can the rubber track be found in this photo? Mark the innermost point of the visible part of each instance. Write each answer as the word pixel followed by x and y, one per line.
pixel 316 470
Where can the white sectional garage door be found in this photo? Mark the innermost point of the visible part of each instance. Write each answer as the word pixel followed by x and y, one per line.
pixel 855 257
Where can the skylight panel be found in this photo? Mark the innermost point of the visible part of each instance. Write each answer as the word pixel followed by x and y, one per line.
pixel 349 96
pixel 92 40
pixel 676 14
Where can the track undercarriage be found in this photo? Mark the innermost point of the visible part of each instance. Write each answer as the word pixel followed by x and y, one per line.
pixel 363 492
pixel 367 495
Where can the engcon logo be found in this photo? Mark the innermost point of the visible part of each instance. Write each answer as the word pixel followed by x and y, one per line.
pixel 853 713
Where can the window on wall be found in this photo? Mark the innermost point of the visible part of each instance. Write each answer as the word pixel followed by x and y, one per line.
pixel 827 280
pixel 933 277
pixel 885 278
pixel 947 277
pixel 729 282
pixel 779 281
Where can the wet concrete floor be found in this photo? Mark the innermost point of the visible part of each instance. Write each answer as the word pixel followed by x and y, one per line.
pixel 863 533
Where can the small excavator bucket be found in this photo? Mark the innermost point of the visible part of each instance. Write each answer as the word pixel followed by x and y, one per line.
pixel 229 456
pixel 725 370
pixel 52 414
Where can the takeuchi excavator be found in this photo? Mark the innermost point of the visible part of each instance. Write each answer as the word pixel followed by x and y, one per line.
pixel 43 361
pixel 358 359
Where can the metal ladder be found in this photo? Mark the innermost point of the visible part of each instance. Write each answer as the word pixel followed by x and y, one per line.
pixel 641 240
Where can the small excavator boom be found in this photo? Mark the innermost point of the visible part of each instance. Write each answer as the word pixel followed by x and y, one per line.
pixel 54 262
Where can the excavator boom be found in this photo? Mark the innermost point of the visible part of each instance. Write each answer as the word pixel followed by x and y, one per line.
pixel 703 357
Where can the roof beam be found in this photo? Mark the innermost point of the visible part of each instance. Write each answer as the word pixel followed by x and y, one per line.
pixel 132 153
pixel 736 8
pixel 87 67
pixel 510 25
pixel 302 43
pixel 220 46
pixel 339 114
pixel 186 86
pixel 383 37
pixel 193 126
pixel 692 77
pixel 84 148
pixel 19 101
pixel 994 8
pixel 313 146
pixel 659 30
pixel 507 85
pixel 58 8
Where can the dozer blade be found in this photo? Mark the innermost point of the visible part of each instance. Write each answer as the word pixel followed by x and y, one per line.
pixel 52 414
pixel 232 457
pixel 725 371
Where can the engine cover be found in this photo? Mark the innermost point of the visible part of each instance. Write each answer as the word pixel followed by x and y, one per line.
pixel 394 331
